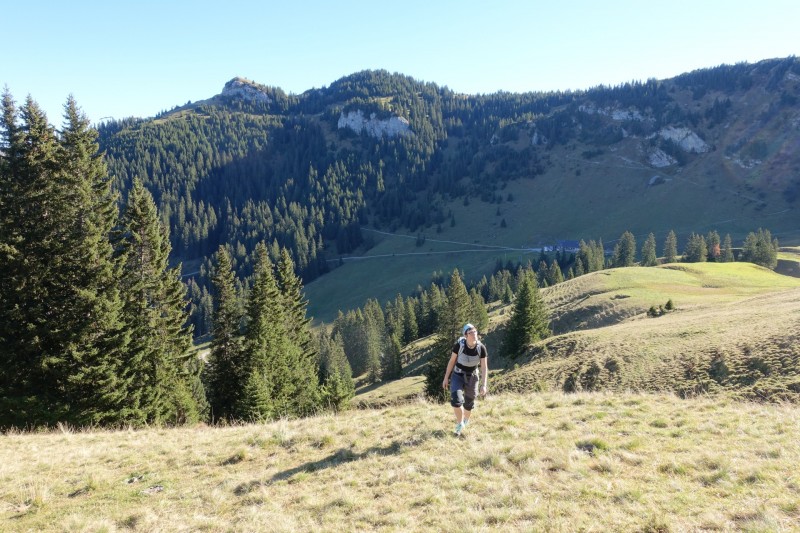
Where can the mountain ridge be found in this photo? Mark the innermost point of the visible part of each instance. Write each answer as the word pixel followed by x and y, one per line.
pixel 711 149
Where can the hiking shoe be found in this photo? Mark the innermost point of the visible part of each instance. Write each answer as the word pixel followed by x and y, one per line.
pixel 459 428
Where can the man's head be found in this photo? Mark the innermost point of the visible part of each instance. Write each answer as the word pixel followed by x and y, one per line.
pixel 469 329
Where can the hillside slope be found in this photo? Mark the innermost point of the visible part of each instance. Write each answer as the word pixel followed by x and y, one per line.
pixel 541 462
pixel 736 330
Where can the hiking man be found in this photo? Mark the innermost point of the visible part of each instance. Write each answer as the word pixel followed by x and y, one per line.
pixel 468 352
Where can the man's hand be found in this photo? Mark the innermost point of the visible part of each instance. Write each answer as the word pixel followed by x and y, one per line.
pixel 444 384
pixel 483 390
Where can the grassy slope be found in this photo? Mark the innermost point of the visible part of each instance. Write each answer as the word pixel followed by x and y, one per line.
pixel 575 199
pixel 789 262
pixel 395 265
pixel 545 462
pixel 736 329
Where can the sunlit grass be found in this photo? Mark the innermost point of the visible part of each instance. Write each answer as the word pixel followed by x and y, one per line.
pixel 541 462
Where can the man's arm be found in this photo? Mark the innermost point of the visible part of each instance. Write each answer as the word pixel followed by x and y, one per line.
pixel 450 366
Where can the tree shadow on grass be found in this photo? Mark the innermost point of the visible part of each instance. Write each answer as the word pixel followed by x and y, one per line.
pixel 337 458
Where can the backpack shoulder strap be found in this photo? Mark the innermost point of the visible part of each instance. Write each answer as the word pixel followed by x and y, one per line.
pixel 462 341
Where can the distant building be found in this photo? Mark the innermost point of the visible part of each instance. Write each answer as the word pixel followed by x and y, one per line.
pixel 568 246
pixel 563 247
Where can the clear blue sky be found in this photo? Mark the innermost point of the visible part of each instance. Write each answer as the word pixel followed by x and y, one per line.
pixel 125 58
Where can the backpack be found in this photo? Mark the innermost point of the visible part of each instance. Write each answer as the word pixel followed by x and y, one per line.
pixel 462 343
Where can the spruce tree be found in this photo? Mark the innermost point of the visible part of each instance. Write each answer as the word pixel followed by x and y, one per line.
pixel 61 336
pixel 298 328
pixel 760 248
pixel 95 295
pixel 295 305
pixel 599 255
pixel 335 374
pixel 727 250
pixel 374 340
pixel 671 248
pixel 225 369
pixel 696 249
pixel 165 385
pixel 350 328
pixel 625 251
pixel 479 312
pixel 713 246
pixel 455 312
pixel 268 384
pixel 410 325
pixel 554 274
pixel 392 363
pixel 649 251
pixel 529 320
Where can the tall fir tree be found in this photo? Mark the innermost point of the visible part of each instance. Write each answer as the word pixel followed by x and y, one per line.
pixel 671 248
pixel 649 257
pixel 554 274
pixel 298 328
pixel 410 325
pixel 529 320
pixel 713 245
pixel 166 386
pixel 455 312
pixel 295 305
pixel 375 339
pixel 727 250
pixel 225 370
pixel 760 248
pixel 335 374
pixel 279 379
pixel 392 362
pixel 479 312
pixel 696 249
pixel 62 339
pixel 625 251
pixel 268 386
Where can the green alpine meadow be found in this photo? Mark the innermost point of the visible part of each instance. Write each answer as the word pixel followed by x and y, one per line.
pixel 236 315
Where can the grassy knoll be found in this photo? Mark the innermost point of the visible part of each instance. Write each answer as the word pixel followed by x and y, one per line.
pixel 535 462
pixel 609 296
pixel 736 330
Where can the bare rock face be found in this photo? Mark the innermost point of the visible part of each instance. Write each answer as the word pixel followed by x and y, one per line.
pixel 246 90
pixel 374 127
pixel 537 139
pixel 617 114
pixel 685 138
pixel 660 159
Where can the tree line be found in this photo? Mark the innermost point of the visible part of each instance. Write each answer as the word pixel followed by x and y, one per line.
pixel 237 172
pixel 92 317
